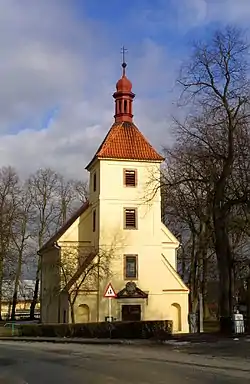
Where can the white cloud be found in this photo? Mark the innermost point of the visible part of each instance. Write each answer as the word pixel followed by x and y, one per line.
pixel 52 61
pixel 229 11
pixel 193 13
pixel 181 16
pixel 61 68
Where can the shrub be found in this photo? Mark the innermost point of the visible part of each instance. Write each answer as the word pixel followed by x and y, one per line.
pixel 160 330
pixel 8 331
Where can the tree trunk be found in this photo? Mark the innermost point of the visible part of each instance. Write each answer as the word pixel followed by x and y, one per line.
pixel 204 284
pixel 233 298
pixel 1 284
pixel 71 300
pixel 13 307
pixel 17 279
pixel 248 302
pixel 9 310
pixel 35 295
pixel 193 295
pixel 224 258
pixel 72 313
pixel 183 262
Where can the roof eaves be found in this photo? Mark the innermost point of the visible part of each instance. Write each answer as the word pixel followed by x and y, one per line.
pixel 159 160
pixel 96 156
pixel 91 162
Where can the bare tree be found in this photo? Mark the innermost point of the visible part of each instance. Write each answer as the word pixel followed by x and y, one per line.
pixel 186 209
pixel 43 187
pixel 66 199
pixel 21 232
pixel 29 214
pixel 81 189
pixel 215 84
pixel 70 195
pixel 54 199
pixel 8 191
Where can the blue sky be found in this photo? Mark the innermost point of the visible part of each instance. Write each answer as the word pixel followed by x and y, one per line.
pixel 60 60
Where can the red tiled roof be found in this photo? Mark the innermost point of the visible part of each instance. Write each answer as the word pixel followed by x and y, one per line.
pixel 64 228
pixel 125 141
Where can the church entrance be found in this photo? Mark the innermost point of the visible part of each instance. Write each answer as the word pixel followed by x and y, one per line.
pixel 131 313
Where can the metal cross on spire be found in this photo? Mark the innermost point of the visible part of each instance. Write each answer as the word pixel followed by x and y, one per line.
pixel 124 64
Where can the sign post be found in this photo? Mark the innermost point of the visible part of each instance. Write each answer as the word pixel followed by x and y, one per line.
pixel 109 294
pixel 110 309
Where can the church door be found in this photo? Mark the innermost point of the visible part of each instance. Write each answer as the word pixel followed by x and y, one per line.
pixel 131 313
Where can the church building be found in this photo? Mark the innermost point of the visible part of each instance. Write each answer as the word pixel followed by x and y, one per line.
pixel 116 243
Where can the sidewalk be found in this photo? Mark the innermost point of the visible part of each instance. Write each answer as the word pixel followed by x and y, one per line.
pixel 76 340
pixel 207 337
pixel 174 340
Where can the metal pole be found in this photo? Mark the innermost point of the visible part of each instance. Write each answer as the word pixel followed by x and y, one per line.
pixel 110 308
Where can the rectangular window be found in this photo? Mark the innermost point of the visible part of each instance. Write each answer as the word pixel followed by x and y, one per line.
pixel 130 267
pixel 130 220
pixel 130 178
pixel 94 182
pixel 94 220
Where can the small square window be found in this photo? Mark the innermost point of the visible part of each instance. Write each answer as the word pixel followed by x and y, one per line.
pixel 94 182
pixel 130 267
pixel 94 220
pixel 130 219
pixel 130 178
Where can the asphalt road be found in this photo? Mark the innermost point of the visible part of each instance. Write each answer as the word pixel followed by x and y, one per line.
pixel 46 363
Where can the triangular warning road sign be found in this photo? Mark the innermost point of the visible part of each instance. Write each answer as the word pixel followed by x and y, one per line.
pixel 109 292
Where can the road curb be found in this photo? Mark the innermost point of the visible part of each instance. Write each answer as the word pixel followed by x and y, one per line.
pixel 143 342
pixel 81 341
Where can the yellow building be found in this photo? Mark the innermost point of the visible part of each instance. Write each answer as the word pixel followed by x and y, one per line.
pixel 116 237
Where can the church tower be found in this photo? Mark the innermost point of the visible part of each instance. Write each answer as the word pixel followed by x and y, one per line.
pixel 122 172
pixel 126 207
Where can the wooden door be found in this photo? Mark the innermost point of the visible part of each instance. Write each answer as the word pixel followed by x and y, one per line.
pixel 131 313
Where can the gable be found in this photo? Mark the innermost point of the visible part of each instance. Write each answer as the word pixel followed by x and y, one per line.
pixel 167 237
pixel 175 282
pixel 131 291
